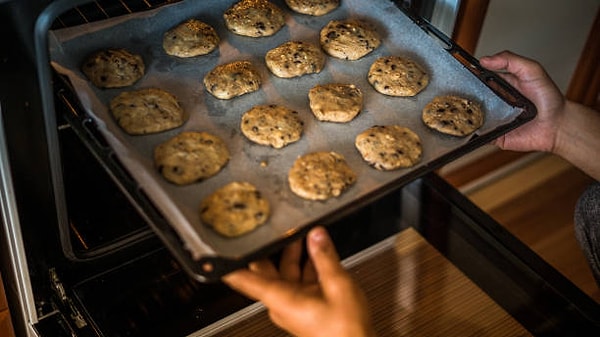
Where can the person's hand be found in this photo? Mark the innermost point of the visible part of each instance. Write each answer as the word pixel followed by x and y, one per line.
pixel 529 78
pixel 562 127
pixel 317 299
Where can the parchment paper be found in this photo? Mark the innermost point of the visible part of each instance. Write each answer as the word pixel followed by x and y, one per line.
pixel 142 33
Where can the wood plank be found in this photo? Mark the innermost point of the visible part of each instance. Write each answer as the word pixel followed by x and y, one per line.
pixel 481 167
pixel 585 83
pixel 468 24
pixel 542 218
pixel 546 207
pixel 515 185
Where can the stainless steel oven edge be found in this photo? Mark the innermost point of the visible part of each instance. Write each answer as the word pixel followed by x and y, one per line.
pixel 28 288
pixel 18 281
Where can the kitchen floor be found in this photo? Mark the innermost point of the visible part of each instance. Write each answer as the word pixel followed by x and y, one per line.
pixel 533 196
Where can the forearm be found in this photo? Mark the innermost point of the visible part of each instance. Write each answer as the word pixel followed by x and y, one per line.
pixel 578 138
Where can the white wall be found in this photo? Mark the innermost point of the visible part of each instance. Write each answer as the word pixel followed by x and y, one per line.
pixel 550 31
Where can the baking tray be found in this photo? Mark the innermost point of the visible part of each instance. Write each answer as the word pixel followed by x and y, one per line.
pixel 173 210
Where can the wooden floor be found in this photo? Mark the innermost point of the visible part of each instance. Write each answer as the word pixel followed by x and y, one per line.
pixel 533 196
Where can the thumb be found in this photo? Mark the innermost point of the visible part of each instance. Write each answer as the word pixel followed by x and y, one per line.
pixel 522 67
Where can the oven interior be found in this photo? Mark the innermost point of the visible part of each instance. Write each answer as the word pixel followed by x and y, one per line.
pixel 105 272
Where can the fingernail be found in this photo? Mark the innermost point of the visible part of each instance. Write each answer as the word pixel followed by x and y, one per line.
pixel 318 235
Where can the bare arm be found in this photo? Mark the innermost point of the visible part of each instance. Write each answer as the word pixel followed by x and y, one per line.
pixel 562 127
pixel 578 138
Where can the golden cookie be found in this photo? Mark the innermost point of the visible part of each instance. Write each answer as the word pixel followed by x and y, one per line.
pixel 190 38
pixel 349 39
pixel 335 102
pixel 313 7
pixel 320 176
pixel 453 115
pixel 272 125
pixel 233 79
pixel 113 68
pixel 147 111
pixel 397 76
pixel 190 157
pixel 254 18
pixel 389 147
pixel 295 58
pixel 235 209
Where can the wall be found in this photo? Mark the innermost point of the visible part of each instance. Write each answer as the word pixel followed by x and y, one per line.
pixel 550 31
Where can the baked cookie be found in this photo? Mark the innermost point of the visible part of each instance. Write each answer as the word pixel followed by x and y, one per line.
pixel 389 147
pixel 272 125
pixel 147 111
pixel 453 115
pixel 320 175
pixel 235 209
pixel 190 38
pixel 190 157
pixel 349 39
pixel 295 58
pixel 254 18
pixel 313 7
pixel 113 68
pixel 335 102
pixel 233 79
pixel 397 76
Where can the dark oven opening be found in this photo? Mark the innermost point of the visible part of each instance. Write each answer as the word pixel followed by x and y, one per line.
pixel 118 277
pixel 107 221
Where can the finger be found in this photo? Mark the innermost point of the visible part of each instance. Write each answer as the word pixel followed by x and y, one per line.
pixel 510 78
pixel 524 68
pixel 273 293
pixel 499 142
pixel 309 274
pixel 289 265
pixel 264 268
pixel 495 62
pixel 248 282
pixel 326 261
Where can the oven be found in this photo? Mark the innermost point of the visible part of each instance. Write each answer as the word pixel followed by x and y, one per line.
pixel 85 254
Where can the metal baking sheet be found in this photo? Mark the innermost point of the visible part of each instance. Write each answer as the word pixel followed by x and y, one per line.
pixel 142 33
